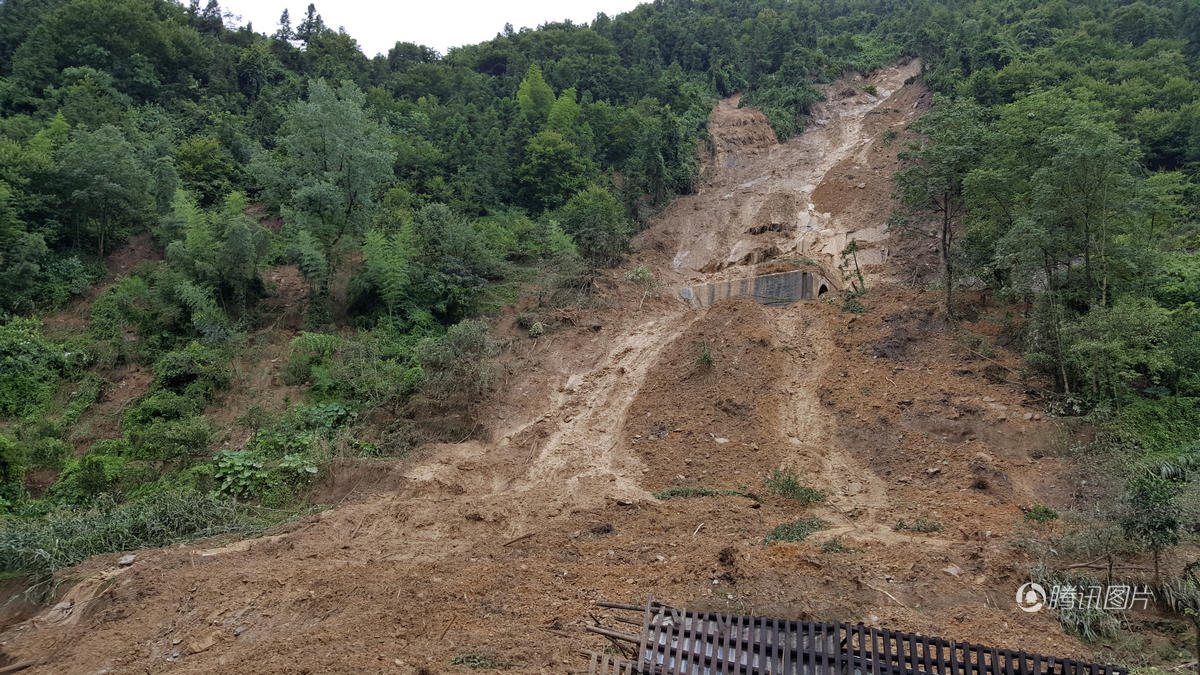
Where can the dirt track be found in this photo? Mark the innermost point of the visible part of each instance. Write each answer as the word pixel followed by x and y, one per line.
pixel 500 548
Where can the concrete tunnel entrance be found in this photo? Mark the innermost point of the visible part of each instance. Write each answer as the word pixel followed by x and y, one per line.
pixel 781 288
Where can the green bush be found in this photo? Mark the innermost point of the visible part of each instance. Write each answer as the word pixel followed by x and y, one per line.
pixel 12 469
pixel 598 223
pixel 1040 514
pixel 459 365
pixel 161 406
pixel 171 439
pixel 272 443
pixel 67 536
pixel 247 475
pixel 88 477
pixel 195 370
pixel 30 366
pixel 47 453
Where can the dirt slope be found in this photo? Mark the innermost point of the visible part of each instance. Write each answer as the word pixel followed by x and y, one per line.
pixel 500 548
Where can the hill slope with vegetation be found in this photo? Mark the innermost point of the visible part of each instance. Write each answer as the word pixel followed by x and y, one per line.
pixel 412 195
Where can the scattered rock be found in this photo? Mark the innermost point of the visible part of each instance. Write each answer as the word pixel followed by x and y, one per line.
pixel 721 440
pixel 126 561
pixel 239 630
pixel 933 470
pixel 953 570
pixel 202 643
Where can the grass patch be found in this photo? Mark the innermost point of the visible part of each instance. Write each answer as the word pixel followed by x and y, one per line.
pixel 923 525
pixel 476 660
pixel 794 531
pixel 836 546
pixel 785 484
pixel 67 537
pixel 688 491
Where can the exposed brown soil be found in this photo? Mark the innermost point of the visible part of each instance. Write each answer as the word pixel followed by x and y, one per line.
pixel 501 547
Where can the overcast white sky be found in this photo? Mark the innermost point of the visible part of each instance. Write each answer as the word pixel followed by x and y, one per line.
pixel 440 24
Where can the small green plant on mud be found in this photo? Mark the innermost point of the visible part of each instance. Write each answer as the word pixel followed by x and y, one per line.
pixel 476 660
pixel 1039 513
pixel 704 357
pixel 785 484
pixel 688 491
pixel 794 531
pixel 922 525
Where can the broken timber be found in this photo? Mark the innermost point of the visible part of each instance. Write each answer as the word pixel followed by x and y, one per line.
pixel 675 640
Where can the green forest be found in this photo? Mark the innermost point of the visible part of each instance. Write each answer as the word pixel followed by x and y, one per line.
pixel 419 193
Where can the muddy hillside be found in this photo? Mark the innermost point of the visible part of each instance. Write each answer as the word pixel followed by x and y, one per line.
pixel 501 548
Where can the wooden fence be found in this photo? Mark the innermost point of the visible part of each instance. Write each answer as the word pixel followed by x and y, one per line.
pixel 679 641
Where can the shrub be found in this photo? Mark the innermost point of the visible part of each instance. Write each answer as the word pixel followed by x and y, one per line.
pixel 47 453
pixel 159 406
pixel 68 536
pixel 373 368
pixel 795 531
pixel 704 357
pixel 88 477
pixel 12 468
pixel 247 475
pixel 1040 514
pixel 30 366
pixel 785 484
pixel 1089 624
pixel 273 443
pixel 459 365
pixel 171 439
pixel 476 660
pixel 195 370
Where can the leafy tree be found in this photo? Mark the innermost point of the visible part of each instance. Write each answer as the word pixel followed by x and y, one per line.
pixel 311 27
pixel 330 161
pixel 535 96
pixel 933 186
pixel 598 224
pixel 553 170
pixel 205 168
pixel 104 187
pixel 1153 519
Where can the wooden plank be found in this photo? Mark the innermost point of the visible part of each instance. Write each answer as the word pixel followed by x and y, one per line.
pixel 645 630
pixel 676 643
pixel 721 644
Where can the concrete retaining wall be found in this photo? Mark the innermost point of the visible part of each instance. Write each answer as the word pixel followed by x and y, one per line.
pixel 782 288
